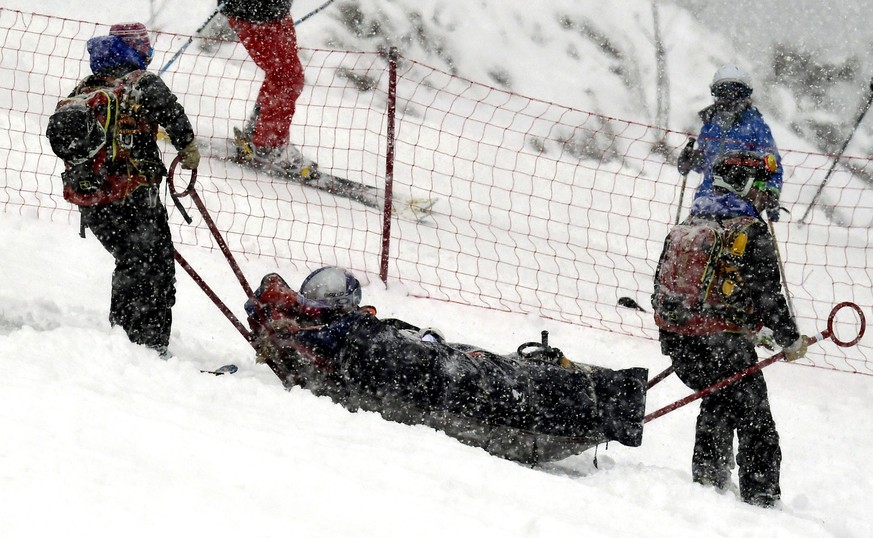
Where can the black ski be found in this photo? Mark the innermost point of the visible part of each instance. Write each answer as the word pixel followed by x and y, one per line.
pixel 414 209
pixel 226 369
pixel 627 302
pixel 306 173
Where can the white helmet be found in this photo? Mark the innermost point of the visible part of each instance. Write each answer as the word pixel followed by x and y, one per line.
pixel 731 73
pixel 334 287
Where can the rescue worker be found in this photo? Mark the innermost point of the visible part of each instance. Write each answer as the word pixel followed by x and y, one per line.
pixel 731 123
pixel 709 307
pixel 126 213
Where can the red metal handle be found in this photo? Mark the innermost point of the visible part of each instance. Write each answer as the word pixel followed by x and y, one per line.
pixel 277 367
pixel 660 377
pixel 190 188
pixel 827 333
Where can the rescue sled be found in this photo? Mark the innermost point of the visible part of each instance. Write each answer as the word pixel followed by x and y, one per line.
pixel 527 406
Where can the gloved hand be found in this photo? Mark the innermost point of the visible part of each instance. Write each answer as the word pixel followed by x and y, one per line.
pixel 764 200
pixel 796 350
pixel 773 215
pixel 764 338
pixel 688 159
pixel 190 156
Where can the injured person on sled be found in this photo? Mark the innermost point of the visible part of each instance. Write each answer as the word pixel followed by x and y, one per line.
pixel 530 406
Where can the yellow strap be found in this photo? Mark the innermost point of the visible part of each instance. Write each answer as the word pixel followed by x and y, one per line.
pixel 111 115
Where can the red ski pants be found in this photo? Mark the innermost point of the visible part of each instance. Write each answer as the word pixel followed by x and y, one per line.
pixel 273 47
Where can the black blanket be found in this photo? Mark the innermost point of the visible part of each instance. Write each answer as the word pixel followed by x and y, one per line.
pixel 513 407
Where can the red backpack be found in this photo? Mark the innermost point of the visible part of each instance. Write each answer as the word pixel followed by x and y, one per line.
pixel 92 132
pixel 698 283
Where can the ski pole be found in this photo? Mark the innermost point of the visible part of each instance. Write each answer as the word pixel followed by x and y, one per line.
pixel 214 13
pixel 827 333
pixel 781 269
pixel 313 12
pixel 190 40
pixel 839 154
pixel 689 145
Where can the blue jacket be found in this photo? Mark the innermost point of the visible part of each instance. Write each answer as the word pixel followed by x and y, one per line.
pixel 748 133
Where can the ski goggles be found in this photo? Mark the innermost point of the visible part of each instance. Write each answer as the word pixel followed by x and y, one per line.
pixel 731 91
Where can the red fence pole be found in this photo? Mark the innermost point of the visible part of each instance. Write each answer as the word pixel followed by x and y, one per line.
pixel 389 164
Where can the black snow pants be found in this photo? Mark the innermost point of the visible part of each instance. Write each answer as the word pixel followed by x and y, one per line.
pixel 743 406
pixel 136 232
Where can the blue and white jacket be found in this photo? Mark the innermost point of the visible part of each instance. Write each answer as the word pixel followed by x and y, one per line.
pixel 748 132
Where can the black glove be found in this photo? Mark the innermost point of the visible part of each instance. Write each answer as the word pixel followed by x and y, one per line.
pixel 688 159
pixel 765 199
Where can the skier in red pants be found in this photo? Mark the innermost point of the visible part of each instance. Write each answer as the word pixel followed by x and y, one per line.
pixel 266 30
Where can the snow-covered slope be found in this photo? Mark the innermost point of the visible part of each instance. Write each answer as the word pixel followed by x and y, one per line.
pixel 100 438
pixel 589 55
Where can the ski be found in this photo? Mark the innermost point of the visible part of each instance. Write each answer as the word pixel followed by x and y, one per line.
pixel 415 209
pixel 305 172
pixel 226 369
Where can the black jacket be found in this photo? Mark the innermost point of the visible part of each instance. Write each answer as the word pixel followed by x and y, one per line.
pixel 155 105
pixel 256 10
